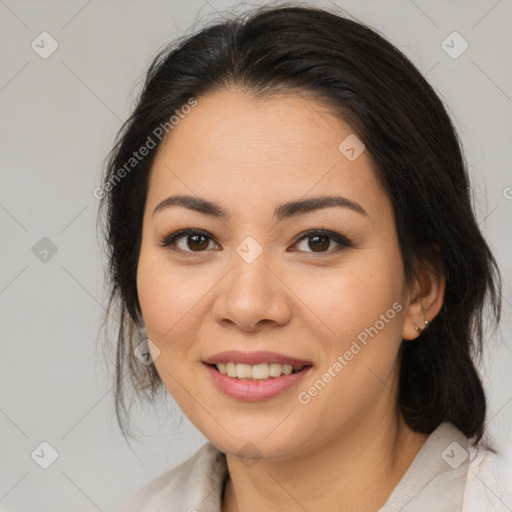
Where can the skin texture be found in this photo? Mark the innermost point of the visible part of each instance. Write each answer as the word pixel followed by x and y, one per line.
pixel 349 444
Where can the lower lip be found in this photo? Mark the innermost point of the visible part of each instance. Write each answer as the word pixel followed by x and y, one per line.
pixel 255 390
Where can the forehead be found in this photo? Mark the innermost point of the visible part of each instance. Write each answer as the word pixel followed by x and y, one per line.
pixel 236 147
pixel 232 124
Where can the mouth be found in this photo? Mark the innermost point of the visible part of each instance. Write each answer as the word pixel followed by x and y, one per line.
pixel 255 376
pixel 262 371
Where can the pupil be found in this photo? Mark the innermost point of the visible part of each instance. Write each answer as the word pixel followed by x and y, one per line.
pixel 321 242
pixel 195 238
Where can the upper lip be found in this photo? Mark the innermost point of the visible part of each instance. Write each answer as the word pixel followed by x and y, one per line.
pixel 252 358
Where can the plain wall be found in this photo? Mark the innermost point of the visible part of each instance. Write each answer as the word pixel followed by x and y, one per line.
pixel 59 116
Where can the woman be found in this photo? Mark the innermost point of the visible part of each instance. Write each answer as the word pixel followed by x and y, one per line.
pixel 288 218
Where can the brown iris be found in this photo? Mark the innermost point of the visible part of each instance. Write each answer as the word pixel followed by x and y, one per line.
pixel 196 244
pixel 318 243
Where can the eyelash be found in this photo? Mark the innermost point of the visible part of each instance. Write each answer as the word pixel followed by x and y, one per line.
pixel 169 240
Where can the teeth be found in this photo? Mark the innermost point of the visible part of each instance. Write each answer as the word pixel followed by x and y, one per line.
pixel 243 371
pixel 231 369
pixel 255 372
pixel 260 371
pixel 287 369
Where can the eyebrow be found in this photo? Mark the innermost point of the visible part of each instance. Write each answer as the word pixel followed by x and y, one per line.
pixel 284 211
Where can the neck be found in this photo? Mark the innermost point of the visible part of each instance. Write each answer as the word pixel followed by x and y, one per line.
pixel 356 471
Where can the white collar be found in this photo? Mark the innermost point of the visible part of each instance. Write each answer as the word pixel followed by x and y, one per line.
pixel 434 481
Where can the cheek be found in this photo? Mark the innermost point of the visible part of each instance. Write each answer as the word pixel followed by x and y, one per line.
pixel 166 299
pixel 166 294
pixel 358 318
pixel 357 366
pixel 174 303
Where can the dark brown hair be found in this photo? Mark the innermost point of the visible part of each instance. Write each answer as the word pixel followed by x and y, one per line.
pixel 416 154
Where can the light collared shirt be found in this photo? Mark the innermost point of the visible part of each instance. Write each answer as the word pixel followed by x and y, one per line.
pixel 448 474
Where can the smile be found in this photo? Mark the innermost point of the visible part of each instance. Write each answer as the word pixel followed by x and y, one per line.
pixel 255 376
pixel 260 371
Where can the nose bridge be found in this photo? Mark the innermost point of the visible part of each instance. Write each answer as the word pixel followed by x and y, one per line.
pixel 251 276
pixel 252 292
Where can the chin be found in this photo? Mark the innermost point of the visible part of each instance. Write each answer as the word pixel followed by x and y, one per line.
pixel 257 438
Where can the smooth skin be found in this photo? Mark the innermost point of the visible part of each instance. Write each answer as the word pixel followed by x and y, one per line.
pixel 304 297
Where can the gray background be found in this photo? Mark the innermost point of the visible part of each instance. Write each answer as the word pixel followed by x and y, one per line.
pixel 59 117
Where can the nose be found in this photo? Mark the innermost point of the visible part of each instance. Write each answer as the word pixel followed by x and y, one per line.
pixel 252 296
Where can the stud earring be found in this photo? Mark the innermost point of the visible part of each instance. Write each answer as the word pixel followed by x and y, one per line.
pixel 425 324
pixel 420 329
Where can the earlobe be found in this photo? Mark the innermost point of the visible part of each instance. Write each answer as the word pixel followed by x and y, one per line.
pixel 426 302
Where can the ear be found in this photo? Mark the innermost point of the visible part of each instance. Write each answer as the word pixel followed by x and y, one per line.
pixel 427 296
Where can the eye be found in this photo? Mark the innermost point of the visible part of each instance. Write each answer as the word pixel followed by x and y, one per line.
pixel 187 241
pixel 319 241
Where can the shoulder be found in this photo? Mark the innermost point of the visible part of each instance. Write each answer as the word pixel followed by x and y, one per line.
pixel 196 484
pixel 489 481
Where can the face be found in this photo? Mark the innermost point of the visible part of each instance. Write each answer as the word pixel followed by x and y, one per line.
pixel 265 289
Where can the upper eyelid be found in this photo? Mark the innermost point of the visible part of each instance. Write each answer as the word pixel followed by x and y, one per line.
pixel 322 232
pixel 180 233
